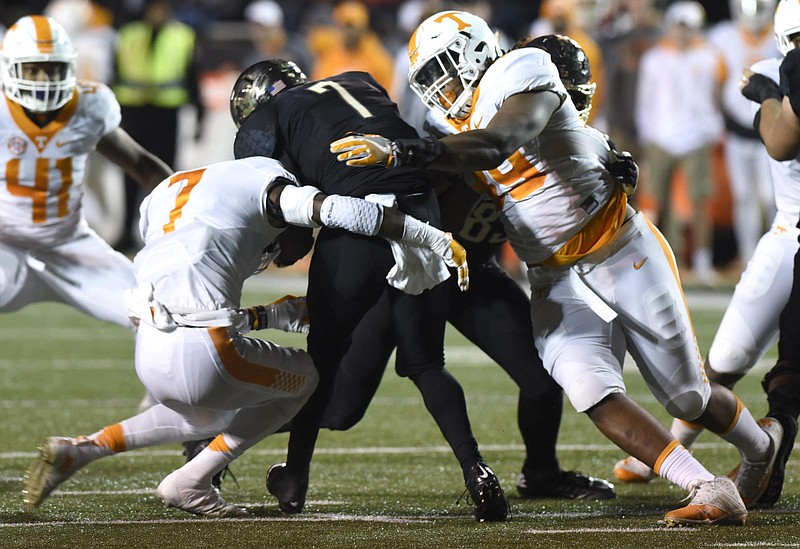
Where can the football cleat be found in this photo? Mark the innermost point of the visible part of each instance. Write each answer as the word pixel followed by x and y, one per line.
pixel 565 485
pixel 193 447
pixel 192 497
pixel 715 501
pixel 486 494
pixel 290 490
pixel 59 458
pixel 631 470
pixel 751 478
pixel 775 485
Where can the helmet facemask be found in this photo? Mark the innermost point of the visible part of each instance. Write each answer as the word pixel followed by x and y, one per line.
pixel 47 93
pixel 582 95
pixel 446 82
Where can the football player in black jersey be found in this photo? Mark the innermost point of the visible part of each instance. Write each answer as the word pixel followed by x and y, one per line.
pixel 494 314
pixel 282 115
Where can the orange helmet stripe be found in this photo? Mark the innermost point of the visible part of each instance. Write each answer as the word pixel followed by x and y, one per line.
pixel 44 34
pixel 412 47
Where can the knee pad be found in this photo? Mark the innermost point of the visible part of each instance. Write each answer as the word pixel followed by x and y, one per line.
pixel 688 405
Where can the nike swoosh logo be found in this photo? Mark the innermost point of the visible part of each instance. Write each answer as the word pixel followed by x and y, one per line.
pixel 63 143
pixel 639 265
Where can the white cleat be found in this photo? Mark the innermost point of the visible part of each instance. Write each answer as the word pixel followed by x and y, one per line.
pixel 752 478
pixel 59 458
pixel 192 497
pixel 631 470
pixel 714 501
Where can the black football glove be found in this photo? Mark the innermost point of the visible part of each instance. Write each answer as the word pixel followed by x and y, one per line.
pixel 759 88
pixel 790 79
pixel 624 171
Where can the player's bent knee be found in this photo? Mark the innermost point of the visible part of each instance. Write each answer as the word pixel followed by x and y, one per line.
pixel 687 405
pixel 731 357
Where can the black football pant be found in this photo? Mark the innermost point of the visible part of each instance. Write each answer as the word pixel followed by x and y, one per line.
pixel 782 382
pixel 347 276
pixel 494 315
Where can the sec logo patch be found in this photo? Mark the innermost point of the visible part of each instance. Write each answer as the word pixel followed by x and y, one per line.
pixel 17 145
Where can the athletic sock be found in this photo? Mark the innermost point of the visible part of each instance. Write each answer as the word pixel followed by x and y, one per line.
pixel 748 437
pixel 685 432
pixel 678 466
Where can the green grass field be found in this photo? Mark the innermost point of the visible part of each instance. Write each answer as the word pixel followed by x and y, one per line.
pixel 389 482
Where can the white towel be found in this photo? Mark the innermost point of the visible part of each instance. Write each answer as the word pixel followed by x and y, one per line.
pixel 416 268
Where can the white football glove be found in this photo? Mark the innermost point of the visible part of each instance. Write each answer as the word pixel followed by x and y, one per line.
pixel 289 313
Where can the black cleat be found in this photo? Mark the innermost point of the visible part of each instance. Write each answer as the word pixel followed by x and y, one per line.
pixel 565 485
pixel 194 447
pixel 485 492
pixel 775 484
pixel 290 490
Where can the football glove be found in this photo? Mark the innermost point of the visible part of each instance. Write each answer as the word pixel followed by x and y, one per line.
pixel 289 313
pixel 458 259
pixel 757 87
pixel 624 171
pixel 359 149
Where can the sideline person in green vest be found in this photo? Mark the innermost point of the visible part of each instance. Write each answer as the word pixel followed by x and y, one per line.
pixel 156 76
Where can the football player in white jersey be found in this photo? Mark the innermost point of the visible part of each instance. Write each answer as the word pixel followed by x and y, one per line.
pixel 603 280
pixel 205 232
pixel 49 122
pixel 750 325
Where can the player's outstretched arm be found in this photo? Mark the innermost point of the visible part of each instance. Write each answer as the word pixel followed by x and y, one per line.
pixel 521 118
pixel 306 206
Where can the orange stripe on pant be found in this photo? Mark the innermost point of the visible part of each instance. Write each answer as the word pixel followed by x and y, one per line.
pixel 250 372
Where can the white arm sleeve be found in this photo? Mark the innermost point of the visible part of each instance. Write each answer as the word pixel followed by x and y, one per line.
pixel 297 205
pixel 353 214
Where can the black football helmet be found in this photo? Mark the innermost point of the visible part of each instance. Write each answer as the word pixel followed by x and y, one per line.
pixel 573 68
pixel 259 82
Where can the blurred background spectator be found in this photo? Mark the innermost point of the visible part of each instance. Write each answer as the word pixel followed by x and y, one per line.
pixel 679 121
pixel 156 75
pixel 270 38
pixel 348 44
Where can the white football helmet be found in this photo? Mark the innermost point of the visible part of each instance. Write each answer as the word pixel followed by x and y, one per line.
pixel 754 15
pixel 38 39
pixel 446 46
pixel 787 24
